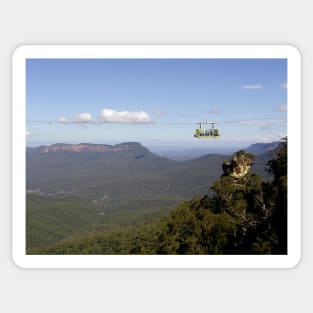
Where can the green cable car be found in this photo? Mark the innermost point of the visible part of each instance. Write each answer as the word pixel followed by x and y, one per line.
pixel 207 132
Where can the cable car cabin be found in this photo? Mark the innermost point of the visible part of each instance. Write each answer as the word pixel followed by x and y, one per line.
pixel 207 132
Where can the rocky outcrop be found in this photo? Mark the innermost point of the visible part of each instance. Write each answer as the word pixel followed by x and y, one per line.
pixel 239 165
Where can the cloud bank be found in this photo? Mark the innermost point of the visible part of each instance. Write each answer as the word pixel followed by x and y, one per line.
pixel 112 116
pixel 109 116
pixel 83 118
pixel 257 86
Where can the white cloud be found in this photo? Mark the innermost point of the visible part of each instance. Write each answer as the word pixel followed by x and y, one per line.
pixel 109 116
pixel 83 118
pixel 282 108
pixel 79 118
pixel 257 86
pixel 112 116
pixel 214 111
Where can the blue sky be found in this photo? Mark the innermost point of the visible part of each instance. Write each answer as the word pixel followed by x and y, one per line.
pixel 160 100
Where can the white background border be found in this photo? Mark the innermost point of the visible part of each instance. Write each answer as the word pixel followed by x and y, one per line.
pixel 145 51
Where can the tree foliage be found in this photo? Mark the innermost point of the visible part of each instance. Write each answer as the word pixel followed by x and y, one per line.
pixel 241 214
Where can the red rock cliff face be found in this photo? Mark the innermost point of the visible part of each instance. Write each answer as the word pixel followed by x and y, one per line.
pixel 85 147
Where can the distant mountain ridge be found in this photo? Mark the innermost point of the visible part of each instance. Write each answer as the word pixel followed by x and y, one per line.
pixel 88 147
pixel 120 168
pixel 257 148
pixel 262 148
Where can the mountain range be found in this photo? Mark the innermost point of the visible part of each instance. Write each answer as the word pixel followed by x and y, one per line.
pixel 125 167
pixel 262 148
pixel 74 188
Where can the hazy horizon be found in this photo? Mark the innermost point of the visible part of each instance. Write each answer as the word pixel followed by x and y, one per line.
pixel 176 152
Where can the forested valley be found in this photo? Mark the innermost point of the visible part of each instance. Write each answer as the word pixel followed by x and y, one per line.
pixel 237 206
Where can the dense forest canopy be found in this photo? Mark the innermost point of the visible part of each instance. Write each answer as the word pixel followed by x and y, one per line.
pixel 240 214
